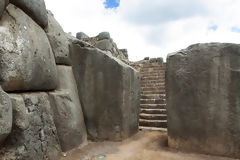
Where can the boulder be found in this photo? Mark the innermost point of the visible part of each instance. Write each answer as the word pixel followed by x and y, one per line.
pixel 58 40
pixel 68 115
pixel 81 35
pixel 35 9
pixel 34 135
pixel 203 95
pixel 27 61
pixel 109 92
pixel 5 115
pixel 103 35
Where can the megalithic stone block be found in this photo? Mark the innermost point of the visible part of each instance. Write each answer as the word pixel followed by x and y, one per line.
pixel 5 115
pixel 27 61
pixel 109 91
pixel 34 135
pixel 68 115
pixel 35 9
pixel 203 99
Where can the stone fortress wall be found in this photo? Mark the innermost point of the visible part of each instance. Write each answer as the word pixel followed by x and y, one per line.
pixel 58 91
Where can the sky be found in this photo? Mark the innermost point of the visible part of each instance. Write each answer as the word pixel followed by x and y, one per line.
pixel 151 28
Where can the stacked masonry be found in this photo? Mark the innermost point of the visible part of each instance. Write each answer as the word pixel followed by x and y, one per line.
pixel 153 98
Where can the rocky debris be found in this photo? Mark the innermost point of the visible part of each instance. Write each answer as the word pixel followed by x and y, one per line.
pixel 103 35
pixel 81 35
pixel 68 115
pixel 104 42
pixel 36 136
pixel 58 40
pixel 109 91
pixel 203 94
pixel 146 58
pixel 5 115
pixel 27 61
pixel 35 9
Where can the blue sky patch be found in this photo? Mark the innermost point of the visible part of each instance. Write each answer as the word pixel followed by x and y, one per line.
pixel 213 27
pixel 235 29
pixel 111 3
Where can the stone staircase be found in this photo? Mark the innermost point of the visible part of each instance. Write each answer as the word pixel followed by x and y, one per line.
pixel 153 98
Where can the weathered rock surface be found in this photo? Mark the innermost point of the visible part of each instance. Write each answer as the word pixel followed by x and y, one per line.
pixel 34 134
pixel 27 61
pixel 5 115
pixel 105 44
pixel 109 92
pixel 103 35
pixel 2 7
pixel 68 115
pixel 203 95
pixel 36 9
pixel 81 35
pixel 123 53
pixel 58 40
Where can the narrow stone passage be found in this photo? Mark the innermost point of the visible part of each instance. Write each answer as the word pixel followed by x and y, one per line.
pixel 153 97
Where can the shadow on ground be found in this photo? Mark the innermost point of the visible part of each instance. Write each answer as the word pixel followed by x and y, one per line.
pixel 142 146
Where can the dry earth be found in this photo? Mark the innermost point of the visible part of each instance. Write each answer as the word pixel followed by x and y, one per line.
pixel 142 146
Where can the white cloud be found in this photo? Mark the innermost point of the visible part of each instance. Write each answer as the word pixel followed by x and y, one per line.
pixel 152 28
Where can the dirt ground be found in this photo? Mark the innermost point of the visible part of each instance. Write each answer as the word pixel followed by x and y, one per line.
pixel 143 146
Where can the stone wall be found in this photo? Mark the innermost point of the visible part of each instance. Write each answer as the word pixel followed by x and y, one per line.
pixel 43 102
pixel 203 95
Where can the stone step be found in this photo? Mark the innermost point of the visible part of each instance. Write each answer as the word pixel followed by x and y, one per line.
pixel 154 65
pixel 153 101
pixel 153 111
pixel 153 123
pixel 153 88
pixel 153 78
pixel 153 96
pixel 144 128
pixel 152 92
pixel 153 116
pixel 161 72
pixel 153 81
pixel 153 106
pixel 152 85
pixel 144 70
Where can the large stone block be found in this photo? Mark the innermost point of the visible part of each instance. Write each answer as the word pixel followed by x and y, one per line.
pixel 58 40
pixel 203 95
pixel 34 134
pixel 35 9
pixel 27 61
pixel 5 115
pixel 68 115
pixel 109 92
pixel 2 7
